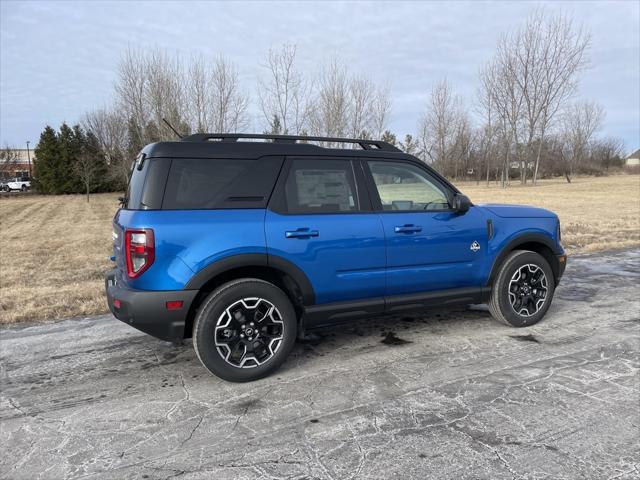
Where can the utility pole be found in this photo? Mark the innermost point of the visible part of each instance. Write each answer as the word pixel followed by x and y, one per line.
pixel 29 157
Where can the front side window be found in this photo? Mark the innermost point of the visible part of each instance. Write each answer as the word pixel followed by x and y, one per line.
pixel 320 186
pixel 404 187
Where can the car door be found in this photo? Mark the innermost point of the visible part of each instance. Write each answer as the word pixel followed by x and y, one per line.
pixel 321 221
pixel 429 246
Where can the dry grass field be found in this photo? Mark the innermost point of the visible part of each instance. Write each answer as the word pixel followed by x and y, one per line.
pixel 55 250
pixel 53 255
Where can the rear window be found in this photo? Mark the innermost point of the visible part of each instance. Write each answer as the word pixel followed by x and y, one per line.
pixel 220 183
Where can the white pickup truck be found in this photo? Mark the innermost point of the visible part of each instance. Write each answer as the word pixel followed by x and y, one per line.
pixel 23 184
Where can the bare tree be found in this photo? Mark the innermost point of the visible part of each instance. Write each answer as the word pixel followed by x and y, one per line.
pixel 130 88
pixel 331 106
pixel 580 122
pixel 550 52
pixel 164 94
pixel 9 157
pixel 443 128
pixel 88 165
pixel 530 78
pixel 284 93
pixel 488 132
pixel 361 95
pixel 380 111
pixel 500 87
pixel 110 130
pixel 229 102
pixel 607 152
pixel 197 92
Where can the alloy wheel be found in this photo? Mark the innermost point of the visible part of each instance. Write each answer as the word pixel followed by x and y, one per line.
pixel 249 332
pixel 528 290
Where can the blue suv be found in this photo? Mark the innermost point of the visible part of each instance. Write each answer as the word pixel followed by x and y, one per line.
pixel 244 245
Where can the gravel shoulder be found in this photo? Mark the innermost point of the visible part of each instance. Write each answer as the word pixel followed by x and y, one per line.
pixel 437 395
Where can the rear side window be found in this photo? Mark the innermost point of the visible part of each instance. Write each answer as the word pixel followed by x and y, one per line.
pixel 146 185
pixel 220 183
pixel 320 186
pixel 134 189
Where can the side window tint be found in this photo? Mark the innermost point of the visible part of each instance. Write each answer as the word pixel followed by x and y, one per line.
pixel 154 183
pixel 403 186
pixel 207 183
pixel 320 186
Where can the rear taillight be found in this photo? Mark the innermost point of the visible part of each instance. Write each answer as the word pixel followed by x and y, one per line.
pixel 139 251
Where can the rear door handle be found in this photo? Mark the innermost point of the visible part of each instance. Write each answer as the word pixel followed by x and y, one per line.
pixel 301 233
pixel 408 229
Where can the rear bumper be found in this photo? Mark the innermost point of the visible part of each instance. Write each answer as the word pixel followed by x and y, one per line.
pixel 146 310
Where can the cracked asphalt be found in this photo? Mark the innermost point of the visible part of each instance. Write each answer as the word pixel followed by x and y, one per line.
pixel 435 395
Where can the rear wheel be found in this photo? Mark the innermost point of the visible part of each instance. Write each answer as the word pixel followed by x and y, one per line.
pixel 244 330
pixel 523 289
pixel 24 188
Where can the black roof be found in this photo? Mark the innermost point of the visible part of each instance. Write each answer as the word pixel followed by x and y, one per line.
pixel 242 146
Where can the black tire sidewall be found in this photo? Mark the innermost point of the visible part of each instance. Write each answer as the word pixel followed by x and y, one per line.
pixel 212 308
pixel 512 264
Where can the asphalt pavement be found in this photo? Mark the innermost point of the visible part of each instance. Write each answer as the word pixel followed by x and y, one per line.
pixel 444 394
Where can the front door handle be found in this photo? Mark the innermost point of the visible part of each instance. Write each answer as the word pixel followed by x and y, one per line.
pixel 301 233
pixel 408 228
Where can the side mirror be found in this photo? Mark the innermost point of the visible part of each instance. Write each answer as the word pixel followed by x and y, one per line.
pixel 461 203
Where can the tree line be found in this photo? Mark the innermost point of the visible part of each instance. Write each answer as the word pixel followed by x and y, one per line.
pixel 70 160
pixel 524 122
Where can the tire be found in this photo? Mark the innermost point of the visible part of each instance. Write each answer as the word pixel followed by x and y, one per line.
pixel 24 188
pixel 224 336
pixel 523 289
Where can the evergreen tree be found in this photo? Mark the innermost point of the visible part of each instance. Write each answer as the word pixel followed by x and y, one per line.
pixel 69 161
pixel 65 178
pixel 46 152
pixel 409 145
pixel 389 137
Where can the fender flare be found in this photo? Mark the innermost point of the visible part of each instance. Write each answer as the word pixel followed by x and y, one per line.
pixel 513 245
pixel 254 260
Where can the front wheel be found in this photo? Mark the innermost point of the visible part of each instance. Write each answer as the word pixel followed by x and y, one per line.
pixel 523 289
pixel 244 330
pixel 24 188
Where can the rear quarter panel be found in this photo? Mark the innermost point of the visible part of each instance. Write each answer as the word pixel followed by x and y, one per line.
pixel 186 241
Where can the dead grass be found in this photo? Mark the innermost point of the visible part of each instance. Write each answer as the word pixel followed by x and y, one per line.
pixel 54 250
pixel 53 255
pixel 595 213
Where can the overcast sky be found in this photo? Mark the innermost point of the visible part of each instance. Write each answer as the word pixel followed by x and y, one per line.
pixel 58 59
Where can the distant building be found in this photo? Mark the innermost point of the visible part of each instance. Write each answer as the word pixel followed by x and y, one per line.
pixel 17 165
pixel 633 160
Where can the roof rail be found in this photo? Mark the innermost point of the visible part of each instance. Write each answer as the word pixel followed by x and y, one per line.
pixel 290 139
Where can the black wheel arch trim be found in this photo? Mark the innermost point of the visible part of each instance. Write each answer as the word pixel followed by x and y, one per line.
pixel 522 240
pixel 258 260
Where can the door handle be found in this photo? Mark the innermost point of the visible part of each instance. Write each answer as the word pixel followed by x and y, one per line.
pixel 408 229
pixel 301 233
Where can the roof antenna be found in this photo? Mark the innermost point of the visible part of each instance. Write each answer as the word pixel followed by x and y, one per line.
pixel 171 127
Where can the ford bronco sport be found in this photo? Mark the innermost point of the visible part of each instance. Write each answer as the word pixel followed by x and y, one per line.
pixel 243 245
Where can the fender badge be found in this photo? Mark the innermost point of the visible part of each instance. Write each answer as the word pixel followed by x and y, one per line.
pixel 475 246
